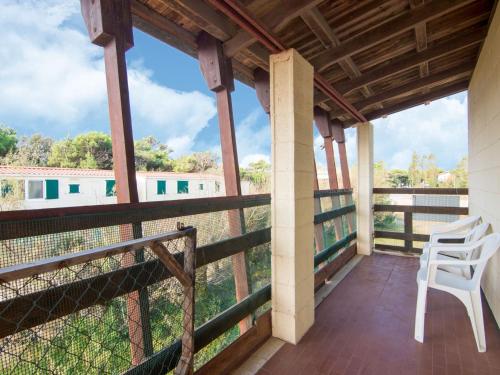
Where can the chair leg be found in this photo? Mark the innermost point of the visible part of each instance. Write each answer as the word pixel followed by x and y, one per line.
pixel 420 312
pixel 478 322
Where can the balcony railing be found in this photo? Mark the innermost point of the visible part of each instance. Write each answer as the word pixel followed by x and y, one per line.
pixel 66 282
pixel 388 237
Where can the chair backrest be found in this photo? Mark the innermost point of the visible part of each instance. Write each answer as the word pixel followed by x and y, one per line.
pixel 477 232
pixel 487 247
pixel 460 226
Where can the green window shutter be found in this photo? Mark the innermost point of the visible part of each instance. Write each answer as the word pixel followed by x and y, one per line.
pixel 182 187
pixel 52 189
pixel 74 188
pixel 6 188
pixel 161 187
pixel 201 186
pixel 110 188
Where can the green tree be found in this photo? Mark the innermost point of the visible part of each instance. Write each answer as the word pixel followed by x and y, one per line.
pixel 30 151
pixel 430 170
pixel 196 162
pixel 414 170
pixel 258 173
pixel 8 140
pixel 398 178
pixel 461 174
pixel 89 150
pixel 151 155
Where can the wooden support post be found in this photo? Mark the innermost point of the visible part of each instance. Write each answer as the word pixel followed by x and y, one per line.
pixel 322 121
pixel 318 228
pixel 186 362
pixel 339 136
pixel 408 220
pixel 217 70
pixel 109 25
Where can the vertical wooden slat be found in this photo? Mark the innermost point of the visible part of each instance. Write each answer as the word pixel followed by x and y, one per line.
pixel 346 179
pixel 334 184
pixel 109 25
pixel 217 71
pixel 408 222
pixel 186 362
pixel 318 228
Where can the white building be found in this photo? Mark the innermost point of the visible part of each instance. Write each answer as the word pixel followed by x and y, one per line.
pixel 45 187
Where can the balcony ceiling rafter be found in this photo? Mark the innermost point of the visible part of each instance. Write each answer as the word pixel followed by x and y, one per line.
pixel 374 56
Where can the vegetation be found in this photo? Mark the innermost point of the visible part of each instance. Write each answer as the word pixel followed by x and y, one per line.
pixel 258 173
pixel 93 150
pixel 96 340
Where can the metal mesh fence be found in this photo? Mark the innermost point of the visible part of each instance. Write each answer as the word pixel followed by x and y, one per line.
pixel 82 318
pixel 41 349
pixel 99 316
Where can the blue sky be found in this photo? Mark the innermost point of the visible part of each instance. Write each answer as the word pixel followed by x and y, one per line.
pixel 52 82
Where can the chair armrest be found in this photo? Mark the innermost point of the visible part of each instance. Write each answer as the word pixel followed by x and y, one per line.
pixel 457 262
pixel 437 237
pixel 455 247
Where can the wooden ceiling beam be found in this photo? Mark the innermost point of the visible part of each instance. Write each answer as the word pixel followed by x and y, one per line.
pixel 421 38
pixel 154 24
pixel 406 62
pixel 387 30
pixel 415 101
pixel 284 12
pixel 320 27
pixel 419 84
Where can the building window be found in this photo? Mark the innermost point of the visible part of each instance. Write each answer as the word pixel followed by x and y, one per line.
pixel 161 187
pixel 182 187
pixel 217 186
pixel 201 186
pixel 74 188
pixel 52 189
pixel 35 189
pixel 6 188
pixel 110 188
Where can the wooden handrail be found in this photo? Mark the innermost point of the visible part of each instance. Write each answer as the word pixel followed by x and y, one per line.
pixel 331 193
pixel 428 191
pixel 102 288
pixel 20 271
pixel 27 223
pixel 421 209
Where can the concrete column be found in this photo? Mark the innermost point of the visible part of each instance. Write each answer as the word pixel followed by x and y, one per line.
pixel 292 203
pixel 364 199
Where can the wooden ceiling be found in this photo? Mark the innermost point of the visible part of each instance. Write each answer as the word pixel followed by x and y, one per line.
pixel 383 56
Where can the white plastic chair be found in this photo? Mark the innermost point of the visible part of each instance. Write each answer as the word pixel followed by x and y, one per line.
pixel 467 290
pixel 475 234
pixel 454 230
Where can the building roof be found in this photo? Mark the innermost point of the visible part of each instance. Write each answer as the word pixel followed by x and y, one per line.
pixel 382 56
pixel 20 171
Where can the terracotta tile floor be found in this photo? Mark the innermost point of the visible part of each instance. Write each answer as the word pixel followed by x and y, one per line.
pixel 365 326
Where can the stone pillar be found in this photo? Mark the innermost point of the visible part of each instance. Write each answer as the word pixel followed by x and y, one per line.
pixel 364 200
pixel 292 203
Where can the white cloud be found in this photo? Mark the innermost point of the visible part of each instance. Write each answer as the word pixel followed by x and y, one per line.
pixel 52 74
pixel 439 128
pixel 253 137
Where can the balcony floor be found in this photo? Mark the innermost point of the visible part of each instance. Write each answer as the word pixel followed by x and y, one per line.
pixel 365 326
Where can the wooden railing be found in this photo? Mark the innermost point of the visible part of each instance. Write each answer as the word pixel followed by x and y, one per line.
pixel 100 288
pixel 408 235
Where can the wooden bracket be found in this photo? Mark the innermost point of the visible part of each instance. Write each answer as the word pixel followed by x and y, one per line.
pixel 215 67
pixel 108 19
pixel 261 79
pixel 322 122
pixel 186 276
pixel 337 131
